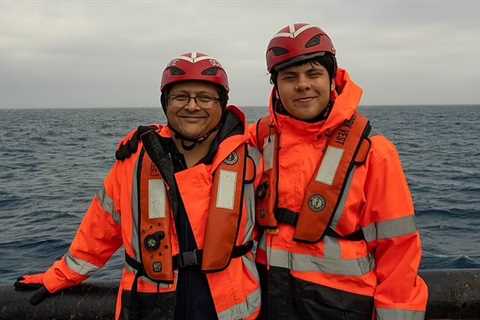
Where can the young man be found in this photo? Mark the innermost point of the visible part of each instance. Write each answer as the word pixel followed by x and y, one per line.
pixel 340 241
pixel 180 199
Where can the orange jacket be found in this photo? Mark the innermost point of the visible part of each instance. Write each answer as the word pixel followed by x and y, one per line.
pixel 110 222
pixel 376 201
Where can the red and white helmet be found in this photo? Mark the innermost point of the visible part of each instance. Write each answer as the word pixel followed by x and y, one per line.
pixel 297 42
pixel 194 66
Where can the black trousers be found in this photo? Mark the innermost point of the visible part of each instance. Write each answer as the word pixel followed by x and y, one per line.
pixel 285 297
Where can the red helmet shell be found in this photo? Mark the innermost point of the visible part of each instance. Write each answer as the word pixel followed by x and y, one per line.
pixel 194 66
pixel 297 42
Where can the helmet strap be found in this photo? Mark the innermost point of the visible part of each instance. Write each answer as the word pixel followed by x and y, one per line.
pixel 189 143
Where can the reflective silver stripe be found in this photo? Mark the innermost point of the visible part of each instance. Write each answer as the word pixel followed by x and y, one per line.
pixel 80 266
pixel 108 205
pixel 341 205
pixel 249 203
pixel 156 199
pixel 251 266
pixel 242 310
pixel 145 279
pixel 226 191
pixel 332 247
pixel 262 244
pixel 328 167
pixel 135 213
pixel 268 151
pixel 254 154
pixel 389 229
pixel 390 314
pixel 307 263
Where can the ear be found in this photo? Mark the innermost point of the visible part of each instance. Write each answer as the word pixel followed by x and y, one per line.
pixel 332 85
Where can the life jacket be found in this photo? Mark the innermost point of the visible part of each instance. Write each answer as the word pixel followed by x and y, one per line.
pixel 347 146
pixel 159 196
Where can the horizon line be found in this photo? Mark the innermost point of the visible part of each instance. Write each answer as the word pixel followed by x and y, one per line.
pixel 253 106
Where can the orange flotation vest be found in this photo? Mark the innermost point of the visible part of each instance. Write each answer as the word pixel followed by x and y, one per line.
pixel 346 147
pixel 158 200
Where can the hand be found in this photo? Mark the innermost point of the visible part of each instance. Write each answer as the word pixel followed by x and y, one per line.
pixel 32 282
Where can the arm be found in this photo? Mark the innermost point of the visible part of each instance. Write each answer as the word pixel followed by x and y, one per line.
pixel 389 228
pixel 97 238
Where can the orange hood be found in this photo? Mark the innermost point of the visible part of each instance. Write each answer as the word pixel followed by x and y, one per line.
pixel 346 100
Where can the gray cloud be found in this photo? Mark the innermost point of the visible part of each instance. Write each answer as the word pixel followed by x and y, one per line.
pixel 111 53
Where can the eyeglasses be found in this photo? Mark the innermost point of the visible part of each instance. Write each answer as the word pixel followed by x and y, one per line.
pixel 202 100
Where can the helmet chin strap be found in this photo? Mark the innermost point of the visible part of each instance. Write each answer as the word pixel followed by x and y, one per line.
pixel 189 143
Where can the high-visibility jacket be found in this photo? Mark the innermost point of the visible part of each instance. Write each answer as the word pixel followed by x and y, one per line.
pixel 112 221
pixel 344 275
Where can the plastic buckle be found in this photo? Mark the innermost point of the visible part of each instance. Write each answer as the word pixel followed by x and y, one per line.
pixel 189 258
pixel 272 230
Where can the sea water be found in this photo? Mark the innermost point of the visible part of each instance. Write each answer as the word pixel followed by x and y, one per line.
pixel 53 161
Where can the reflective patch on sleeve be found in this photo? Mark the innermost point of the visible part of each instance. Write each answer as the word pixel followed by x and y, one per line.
pixel 392 314
pixel 268 152
pixel 156 199
pixel 390 229
pixel 329 165
pixel 108 205
pixel 79 266
pixel 226 189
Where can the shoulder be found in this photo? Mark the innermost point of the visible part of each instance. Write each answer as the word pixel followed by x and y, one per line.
pixel 260 129
pixel 382 150
pixel 128 145
pixel 382 145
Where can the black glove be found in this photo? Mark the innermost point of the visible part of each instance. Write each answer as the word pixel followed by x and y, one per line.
pixel 32 282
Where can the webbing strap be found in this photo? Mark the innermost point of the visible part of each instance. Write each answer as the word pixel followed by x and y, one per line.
pixel 134 312
pixel 164 164
pixel 190 258
pixel 286 216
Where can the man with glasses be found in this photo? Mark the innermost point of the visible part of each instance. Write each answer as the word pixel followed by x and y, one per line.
pixel 180 199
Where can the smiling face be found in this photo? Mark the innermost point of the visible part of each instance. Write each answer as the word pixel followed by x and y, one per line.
pixel 304 90
pixel 193 118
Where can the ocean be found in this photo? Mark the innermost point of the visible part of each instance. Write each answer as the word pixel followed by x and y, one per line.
pixel 52 162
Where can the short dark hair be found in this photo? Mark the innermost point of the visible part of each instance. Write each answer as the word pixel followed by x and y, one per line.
pixel 328 61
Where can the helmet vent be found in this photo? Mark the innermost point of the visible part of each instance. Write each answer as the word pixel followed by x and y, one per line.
pixel 175 71
pixel 212 71
pixel 314 41
pixel 278 51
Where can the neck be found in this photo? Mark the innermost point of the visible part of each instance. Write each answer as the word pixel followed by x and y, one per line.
pixel 200 150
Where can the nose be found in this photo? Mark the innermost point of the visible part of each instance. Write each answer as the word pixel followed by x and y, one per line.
pixel 192 105
pixel 303 83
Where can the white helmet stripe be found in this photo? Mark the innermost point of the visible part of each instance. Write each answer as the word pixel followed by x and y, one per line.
pixel 293 34
pixel 193 58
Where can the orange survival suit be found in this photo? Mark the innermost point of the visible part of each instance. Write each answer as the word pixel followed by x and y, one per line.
pixel 135 208
pixel 365 264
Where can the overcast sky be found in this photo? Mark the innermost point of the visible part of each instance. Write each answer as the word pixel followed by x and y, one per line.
pixel 66 54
